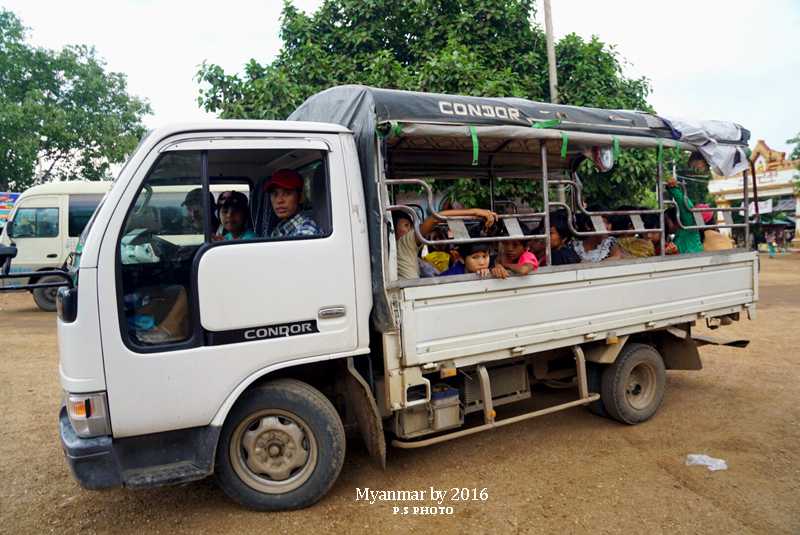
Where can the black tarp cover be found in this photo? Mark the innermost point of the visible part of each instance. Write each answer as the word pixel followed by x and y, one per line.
pixel 362 109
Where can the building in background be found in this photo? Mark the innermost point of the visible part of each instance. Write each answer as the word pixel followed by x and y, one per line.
pixel 776 178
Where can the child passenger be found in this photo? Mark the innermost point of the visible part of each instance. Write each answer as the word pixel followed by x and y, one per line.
pixel 560 238
pixel 408 246
pixel 652 221
pixel 475 258
pixel 597 248
pixel 630 246
pixel 439 255
pixel 515 256
pixel 233 215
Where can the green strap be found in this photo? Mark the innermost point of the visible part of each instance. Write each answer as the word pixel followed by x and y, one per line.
pixel 474 145
pixel 563 145
pixel 616 148
pixel 545 124
pixel 677 151
pixel 399 129
pixel 660 147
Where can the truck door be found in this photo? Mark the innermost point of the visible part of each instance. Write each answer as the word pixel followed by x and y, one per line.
pixel 38 234
pixel 191 318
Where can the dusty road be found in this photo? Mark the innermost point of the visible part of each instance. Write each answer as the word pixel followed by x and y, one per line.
pixel 569 472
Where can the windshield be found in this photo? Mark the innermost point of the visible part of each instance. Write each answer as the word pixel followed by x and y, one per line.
pixel 76 256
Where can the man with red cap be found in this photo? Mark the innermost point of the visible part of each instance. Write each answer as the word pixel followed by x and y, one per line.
pixel 285 190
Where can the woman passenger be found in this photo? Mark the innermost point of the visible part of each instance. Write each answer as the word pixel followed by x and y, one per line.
pixel 597 248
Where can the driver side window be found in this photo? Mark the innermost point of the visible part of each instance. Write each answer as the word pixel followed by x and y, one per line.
pixel 162 232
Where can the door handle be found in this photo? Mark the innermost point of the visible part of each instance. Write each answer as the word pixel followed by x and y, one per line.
pixel 333 312
pixel 54 255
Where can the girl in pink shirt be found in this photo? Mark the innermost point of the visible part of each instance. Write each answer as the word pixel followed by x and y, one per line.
pixel 515 256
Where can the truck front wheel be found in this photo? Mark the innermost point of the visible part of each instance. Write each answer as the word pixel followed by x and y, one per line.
pixel 632 388
pixel 281 447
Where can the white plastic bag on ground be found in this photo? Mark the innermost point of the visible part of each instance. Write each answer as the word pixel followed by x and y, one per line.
pixel 704 460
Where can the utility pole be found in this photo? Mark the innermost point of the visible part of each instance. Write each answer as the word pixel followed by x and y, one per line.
pixel 551 51
pixel 551 64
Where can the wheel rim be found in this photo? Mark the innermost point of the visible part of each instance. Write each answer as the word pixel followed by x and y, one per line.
pixel 273 451
pixel 641 387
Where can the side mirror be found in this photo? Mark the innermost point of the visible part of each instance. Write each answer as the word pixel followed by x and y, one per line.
pixel 6 254
pixel 10 229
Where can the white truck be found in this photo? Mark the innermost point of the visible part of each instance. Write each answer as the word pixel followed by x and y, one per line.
pixel 181 356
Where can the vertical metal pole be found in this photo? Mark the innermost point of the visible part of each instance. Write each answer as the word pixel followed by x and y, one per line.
pixel 660 195
pixel 746 207
pixel 491 188
pixel 551 51
pixel 552 73
pixel 207 208
pixel 545 201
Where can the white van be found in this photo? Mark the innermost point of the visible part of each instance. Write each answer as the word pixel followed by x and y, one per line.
pixel 45 225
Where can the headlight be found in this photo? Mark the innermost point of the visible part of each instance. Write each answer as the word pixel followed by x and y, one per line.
pixel 88 414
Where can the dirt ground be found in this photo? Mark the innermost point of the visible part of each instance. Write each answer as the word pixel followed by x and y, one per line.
pixel 568 472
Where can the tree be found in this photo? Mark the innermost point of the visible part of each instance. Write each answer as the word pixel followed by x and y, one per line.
pixel 469 47
pixel 63 109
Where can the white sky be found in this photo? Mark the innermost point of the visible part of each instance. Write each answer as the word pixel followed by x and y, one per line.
pixel 710 59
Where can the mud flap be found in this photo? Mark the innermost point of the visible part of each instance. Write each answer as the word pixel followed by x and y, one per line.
pixel 366 413
pixel 678 349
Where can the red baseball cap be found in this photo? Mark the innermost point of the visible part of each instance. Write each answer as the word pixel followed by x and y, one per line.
pixel 285 178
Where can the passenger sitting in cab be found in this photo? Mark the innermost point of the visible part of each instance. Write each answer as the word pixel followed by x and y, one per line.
pixel 285 190
pixel 234 215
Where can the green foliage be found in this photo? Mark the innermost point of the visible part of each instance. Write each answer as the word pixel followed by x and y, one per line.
pixel 469 47
pixel 63 108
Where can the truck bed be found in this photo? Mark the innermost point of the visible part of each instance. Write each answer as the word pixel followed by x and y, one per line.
pixel 483 320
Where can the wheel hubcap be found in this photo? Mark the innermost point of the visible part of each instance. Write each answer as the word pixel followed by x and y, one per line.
pixel 273 451
pixel 641 387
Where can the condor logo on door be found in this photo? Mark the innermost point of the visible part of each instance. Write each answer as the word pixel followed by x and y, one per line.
pixel 266 332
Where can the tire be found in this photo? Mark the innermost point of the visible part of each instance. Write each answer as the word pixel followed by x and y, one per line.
pixel 594 376
pixel 46 297
pixel 281 447
pixel 632 388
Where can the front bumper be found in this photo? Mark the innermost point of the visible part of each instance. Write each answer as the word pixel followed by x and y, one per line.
pixel 92 461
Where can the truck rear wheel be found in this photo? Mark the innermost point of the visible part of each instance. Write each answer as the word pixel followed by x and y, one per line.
pixel 632 388
pixel 46 297
pixel 281 448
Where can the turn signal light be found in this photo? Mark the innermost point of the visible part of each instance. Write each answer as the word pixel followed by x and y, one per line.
pixel 79 408
pixel 88 414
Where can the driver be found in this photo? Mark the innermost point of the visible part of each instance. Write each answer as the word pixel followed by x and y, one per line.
pixel 194 209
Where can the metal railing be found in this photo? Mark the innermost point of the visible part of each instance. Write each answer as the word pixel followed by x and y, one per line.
pixel 573 208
